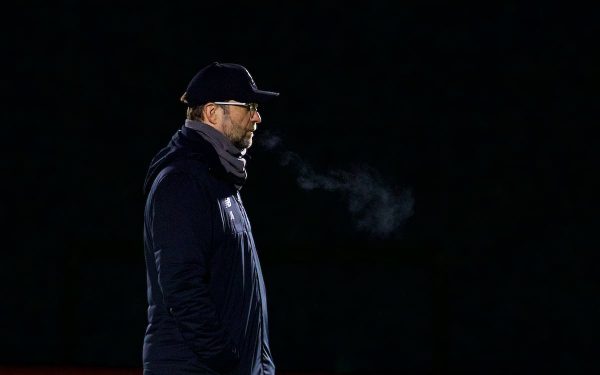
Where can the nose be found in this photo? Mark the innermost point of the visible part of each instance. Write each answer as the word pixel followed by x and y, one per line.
pixel 256 118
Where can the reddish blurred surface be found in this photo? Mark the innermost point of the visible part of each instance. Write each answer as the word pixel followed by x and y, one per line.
pixel 91 371
pixel 67 371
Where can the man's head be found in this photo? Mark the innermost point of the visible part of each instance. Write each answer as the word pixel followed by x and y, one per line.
pixel 225 96
pixel 237 121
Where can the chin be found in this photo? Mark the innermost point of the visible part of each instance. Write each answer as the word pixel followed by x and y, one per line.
pixel 247 142
pixel 244 143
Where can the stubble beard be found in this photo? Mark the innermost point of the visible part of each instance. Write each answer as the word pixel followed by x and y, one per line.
pixel 238 136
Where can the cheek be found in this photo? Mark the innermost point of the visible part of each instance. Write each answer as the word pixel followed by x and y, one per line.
pixel 245 124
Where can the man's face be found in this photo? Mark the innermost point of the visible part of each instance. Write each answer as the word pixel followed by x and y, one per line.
pixel 239 124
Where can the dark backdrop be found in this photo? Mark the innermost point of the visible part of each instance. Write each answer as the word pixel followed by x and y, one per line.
pixel 477 111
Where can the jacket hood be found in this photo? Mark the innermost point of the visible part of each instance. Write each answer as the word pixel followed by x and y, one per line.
pixel 185 144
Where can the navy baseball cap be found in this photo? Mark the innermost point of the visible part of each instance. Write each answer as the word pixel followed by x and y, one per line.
pixel 221 82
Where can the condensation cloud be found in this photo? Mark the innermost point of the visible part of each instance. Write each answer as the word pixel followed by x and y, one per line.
pixel 375 207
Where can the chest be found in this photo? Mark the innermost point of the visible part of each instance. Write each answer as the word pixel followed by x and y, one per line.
pixel 233 218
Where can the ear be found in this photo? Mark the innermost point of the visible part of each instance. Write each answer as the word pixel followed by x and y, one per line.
pixel 211 113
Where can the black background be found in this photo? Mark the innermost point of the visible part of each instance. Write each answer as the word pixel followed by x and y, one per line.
pixel 478 110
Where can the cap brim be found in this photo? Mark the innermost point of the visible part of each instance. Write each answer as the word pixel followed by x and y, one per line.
pixel 261 96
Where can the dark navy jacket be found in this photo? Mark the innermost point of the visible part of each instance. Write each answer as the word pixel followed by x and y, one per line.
pixel 207 308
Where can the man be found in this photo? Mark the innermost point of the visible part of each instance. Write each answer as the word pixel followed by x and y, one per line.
pixel 207 310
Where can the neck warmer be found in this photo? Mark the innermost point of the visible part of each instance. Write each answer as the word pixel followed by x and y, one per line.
pixel 231 157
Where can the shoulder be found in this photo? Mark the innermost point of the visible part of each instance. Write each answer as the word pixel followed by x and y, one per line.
pixel 182 176
pixel 193 168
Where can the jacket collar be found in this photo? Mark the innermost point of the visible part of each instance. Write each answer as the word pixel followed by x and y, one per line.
pixel 186 144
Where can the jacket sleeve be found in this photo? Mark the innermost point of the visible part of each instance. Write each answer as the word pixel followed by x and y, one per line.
pixel 181 225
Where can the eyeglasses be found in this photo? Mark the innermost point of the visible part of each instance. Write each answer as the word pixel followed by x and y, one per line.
pixel 252 107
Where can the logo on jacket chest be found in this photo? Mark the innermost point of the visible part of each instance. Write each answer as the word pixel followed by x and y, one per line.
pixel 231 215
